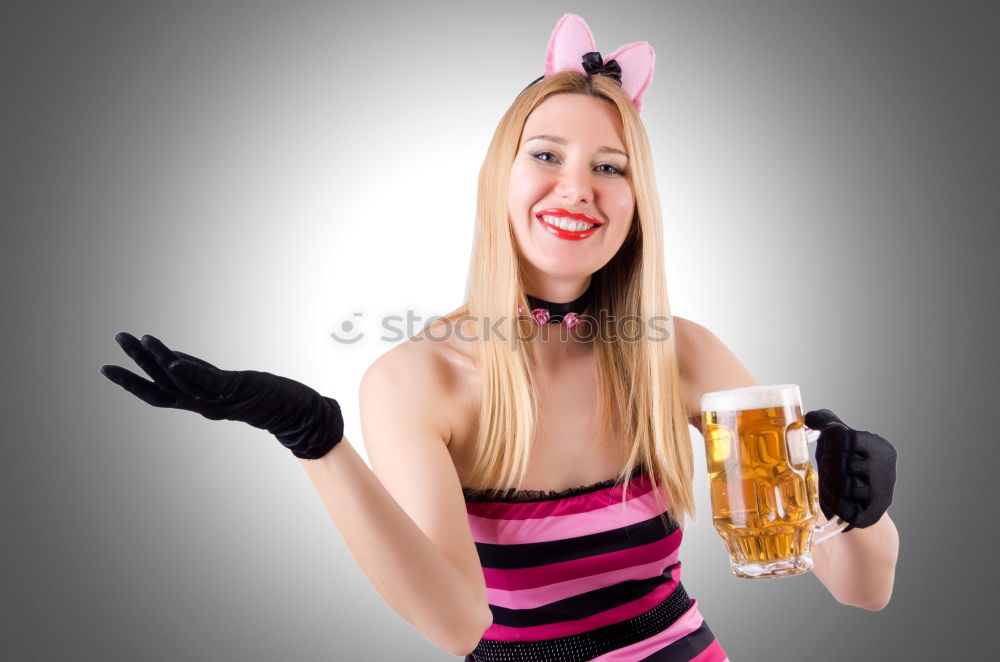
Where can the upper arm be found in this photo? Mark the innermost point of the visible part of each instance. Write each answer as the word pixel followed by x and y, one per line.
pixel 705 364
pixel 405 431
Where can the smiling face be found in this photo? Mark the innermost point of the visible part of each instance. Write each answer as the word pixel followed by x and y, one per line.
pixel 570 201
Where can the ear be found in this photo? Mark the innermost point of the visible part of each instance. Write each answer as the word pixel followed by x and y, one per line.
pixel 570 40
pixel 636 60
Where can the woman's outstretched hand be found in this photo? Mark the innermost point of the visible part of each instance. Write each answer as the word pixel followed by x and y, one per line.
pixel 857 470
pixel 305 422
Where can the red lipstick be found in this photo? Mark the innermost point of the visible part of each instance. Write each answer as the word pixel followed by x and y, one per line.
pixel 574 216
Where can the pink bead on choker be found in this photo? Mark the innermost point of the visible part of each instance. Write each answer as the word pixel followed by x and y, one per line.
pixel 547 312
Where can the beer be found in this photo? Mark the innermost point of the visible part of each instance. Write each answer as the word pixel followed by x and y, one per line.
pixel 763 486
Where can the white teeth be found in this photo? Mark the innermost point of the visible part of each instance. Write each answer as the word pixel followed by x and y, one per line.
pixel 567 224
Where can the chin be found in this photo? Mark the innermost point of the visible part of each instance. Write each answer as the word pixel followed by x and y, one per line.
pixel 558 267
pixel 562 272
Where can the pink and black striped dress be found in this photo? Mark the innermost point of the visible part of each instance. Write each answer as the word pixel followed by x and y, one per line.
pixel 578 575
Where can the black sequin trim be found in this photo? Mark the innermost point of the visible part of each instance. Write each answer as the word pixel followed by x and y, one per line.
pixel 517 496
pixel 588 645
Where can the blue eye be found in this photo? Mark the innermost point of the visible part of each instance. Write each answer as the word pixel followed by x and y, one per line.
pixel 540 155
pixel 612 169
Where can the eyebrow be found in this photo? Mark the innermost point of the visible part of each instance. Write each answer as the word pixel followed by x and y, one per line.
pixel 562 141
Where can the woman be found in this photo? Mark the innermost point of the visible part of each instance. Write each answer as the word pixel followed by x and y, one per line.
pixel 593 387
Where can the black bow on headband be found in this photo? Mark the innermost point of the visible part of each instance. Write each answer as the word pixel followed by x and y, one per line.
pixel 594 64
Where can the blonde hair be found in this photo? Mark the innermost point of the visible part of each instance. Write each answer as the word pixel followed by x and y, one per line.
pixel 639 399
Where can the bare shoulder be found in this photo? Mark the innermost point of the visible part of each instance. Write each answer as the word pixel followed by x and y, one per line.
pixel 428 378
pixel 407 378
pixel 705 364
pixel 700 352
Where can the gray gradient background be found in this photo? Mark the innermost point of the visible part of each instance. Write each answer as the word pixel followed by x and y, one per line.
pixel 238 179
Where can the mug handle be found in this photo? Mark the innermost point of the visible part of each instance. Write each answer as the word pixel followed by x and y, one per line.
pixel 834 526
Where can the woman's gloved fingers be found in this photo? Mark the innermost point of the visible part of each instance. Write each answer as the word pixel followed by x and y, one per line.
pixel 858 488
pixel 826 499
pixel 833 463
pixel 141 388
pixel 822 419
pixel 163 356
pixel 835 440
pixel 195 359
pixel 131 346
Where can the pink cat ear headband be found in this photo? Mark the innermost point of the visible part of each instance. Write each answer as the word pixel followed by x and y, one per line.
pixel 572 48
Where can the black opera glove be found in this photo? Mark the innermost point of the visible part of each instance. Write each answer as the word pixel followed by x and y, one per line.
pixel 857 470
pixel 305 422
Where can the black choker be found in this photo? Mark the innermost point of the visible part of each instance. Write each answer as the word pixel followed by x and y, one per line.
pixel 547 312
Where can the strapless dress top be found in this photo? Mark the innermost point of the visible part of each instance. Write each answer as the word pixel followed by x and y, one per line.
pixel 580 575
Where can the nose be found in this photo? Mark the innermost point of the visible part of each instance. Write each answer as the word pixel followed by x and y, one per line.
pixel 574 185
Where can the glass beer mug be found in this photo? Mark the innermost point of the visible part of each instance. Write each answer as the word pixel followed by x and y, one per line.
pixel 762 483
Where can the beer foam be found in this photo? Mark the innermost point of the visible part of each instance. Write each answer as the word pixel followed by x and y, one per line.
pixel 752 397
